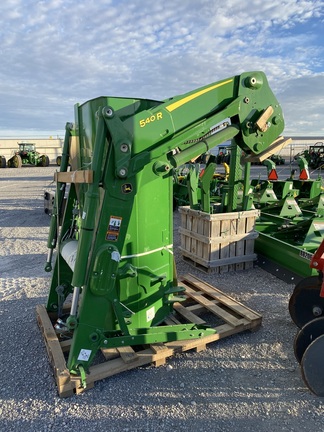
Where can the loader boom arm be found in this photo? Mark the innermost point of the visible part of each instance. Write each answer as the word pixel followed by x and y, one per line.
pixel 242 105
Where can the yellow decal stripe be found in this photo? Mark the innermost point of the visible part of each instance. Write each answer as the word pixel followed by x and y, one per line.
pixel 183 101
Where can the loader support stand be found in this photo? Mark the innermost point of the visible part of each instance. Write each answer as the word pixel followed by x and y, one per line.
pixel 58 202
pixel 90 206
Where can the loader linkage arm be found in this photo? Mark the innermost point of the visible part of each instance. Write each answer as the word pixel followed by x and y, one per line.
pixel 191 125
pixel 115 243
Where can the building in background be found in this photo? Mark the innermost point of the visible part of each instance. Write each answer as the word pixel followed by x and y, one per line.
pixel 52 147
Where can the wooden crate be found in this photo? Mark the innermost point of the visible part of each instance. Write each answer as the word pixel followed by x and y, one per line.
pixel 219 242
pixel 204 304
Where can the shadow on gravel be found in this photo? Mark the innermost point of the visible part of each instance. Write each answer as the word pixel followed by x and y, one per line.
pixel 195 396
pixel 25 217
pixel 26 265
pixel 44 178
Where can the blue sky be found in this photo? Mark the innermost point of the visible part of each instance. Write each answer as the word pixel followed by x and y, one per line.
pixel 55 53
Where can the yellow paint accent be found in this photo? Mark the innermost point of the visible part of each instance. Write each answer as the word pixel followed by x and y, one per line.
pixel 183 101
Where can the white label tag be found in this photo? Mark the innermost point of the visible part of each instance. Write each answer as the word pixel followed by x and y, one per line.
pixel 150 314
pixel 84 355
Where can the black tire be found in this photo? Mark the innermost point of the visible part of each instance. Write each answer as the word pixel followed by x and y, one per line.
pixel 305 303
pixel 16 162
pixel 312 366
pixel 44 161
pixel 305 336
pixel 3 162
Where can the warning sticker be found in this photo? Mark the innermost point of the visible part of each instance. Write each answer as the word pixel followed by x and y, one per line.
pixel 113 228
pixel 84 355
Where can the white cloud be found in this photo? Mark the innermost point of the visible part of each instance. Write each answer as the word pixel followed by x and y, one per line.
pixel 56 53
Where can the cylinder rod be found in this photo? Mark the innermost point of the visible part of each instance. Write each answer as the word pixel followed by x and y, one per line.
pixel 203 146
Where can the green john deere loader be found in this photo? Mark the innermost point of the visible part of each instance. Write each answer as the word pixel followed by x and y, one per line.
pixel 114 278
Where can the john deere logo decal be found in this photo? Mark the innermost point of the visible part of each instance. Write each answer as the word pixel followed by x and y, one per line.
pixel 127 188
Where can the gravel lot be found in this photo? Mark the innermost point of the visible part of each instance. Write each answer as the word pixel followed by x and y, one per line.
pixel 247 382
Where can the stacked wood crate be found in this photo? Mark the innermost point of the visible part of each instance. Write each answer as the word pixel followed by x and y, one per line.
pixel 219 242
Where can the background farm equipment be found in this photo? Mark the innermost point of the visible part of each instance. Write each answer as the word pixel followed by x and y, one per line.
pixel 275 158
pixel 59 160
pixel 198 185
pixel 114 247
pixel 223 154
pixel 314 155
pixel 278 159
pixel 27 155
pixel 291 225
pixel 3 162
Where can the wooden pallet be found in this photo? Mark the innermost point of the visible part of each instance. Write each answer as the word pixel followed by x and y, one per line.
pixel 204 303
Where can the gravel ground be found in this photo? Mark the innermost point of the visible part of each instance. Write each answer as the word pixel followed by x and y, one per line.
pixel 246 382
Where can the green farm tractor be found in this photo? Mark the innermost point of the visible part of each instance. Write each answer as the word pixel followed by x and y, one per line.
pixel 27 155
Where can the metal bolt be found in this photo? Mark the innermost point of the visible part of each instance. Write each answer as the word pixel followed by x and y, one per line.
pixel 246 100
pixel 109 112
pixel 124 148
pixel 122 172
pixel 317 311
